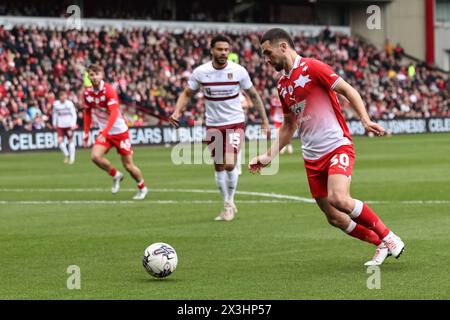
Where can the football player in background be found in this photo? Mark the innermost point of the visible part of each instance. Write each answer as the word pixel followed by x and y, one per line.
pixel 102 102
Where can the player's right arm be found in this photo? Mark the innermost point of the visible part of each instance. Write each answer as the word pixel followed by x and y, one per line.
pixel 193 84
pixel 330 80
pixel 357 103
pixel 54 117
pixel 285 134
pixel 182 102
pixel 87 115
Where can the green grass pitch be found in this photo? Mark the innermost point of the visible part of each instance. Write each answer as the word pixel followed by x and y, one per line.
pixel 54 215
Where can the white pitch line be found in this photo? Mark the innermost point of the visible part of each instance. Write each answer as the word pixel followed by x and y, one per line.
pixel 258 194
pixel 249 193
pixel 127 202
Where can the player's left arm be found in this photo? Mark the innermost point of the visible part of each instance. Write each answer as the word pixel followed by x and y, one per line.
pixel 258 103
pixel 344 88
pixel 112 101
pixel 54 117
pixel 73 112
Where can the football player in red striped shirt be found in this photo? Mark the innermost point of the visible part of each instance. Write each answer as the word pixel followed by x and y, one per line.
pixel 102 103
pixel 307 92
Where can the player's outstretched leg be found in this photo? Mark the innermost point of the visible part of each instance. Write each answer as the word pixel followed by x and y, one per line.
pixel 97 156
pixel 364 215
pixel 135 172
pixel 117 179
pixel 342 221
pixel 339 197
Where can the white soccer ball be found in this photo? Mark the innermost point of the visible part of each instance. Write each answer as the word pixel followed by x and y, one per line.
pixel 160 259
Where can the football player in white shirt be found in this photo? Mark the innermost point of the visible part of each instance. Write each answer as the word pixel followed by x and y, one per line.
pixel 221 82
pixel 64 118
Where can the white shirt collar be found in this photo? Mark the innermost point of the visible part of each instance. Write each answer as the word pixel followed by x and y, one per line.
pixel 100 87
pixel 297 60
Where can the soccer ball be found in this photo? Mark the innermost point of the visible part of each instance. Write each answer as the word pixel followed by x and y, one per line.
pixel 160 259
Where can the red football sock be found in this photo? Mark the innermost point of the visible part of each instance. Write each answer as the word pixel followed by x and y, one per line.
pixel 141 184
pixel 112 172
pixel 363 215
pixel 364 234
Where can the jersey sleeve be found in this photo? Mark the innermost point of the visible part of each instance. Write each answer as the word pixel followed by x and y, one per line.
pixel 323 74
pixel 245 81
pixel 286 109
pixel 194 80
pixel 85 99
pixel 54 115
pixel 112 99
pixel 87 120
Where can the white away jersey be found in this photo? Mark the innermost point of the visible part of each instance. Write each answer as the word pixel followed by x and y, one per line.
pixel 221 90
pixel 64 114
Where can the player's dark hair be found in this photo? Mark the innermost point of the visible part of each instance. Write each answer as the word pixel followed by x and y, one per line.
pixel 277 34
pixel 219 38
pixel 61 92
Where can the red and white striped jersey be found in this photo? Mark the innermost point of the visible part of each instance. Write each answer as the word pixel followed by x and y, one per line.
pixel 100 101
pixel 307 91
pixel 221 88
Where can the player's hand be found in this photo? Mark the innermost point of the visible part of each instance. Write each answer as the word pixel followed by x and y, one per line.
pixel 101 137
pixel 373 127
pixel 265 129
pixel 256 164
pixel 86 140
pixel 174 119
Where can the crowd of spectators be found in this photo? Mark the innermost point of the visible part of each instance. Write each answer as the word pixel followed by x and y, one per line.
pixel 150 68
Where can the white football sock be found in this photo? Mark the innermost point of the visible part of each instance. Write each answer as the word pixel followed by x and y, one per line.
pixel 350 227
pixel 63 148
pixel 290 149
pixel 232 181
pixel 357 210
pixel 221 182
pixel 72 151
pixel 239 162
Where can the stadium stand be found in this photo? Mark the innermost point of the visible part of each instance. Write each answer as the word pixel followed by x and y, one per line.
pixel 149 69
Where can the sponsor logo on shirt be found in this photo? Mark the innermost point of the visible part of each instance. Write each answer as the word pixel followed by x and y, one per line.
pixel 298 107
